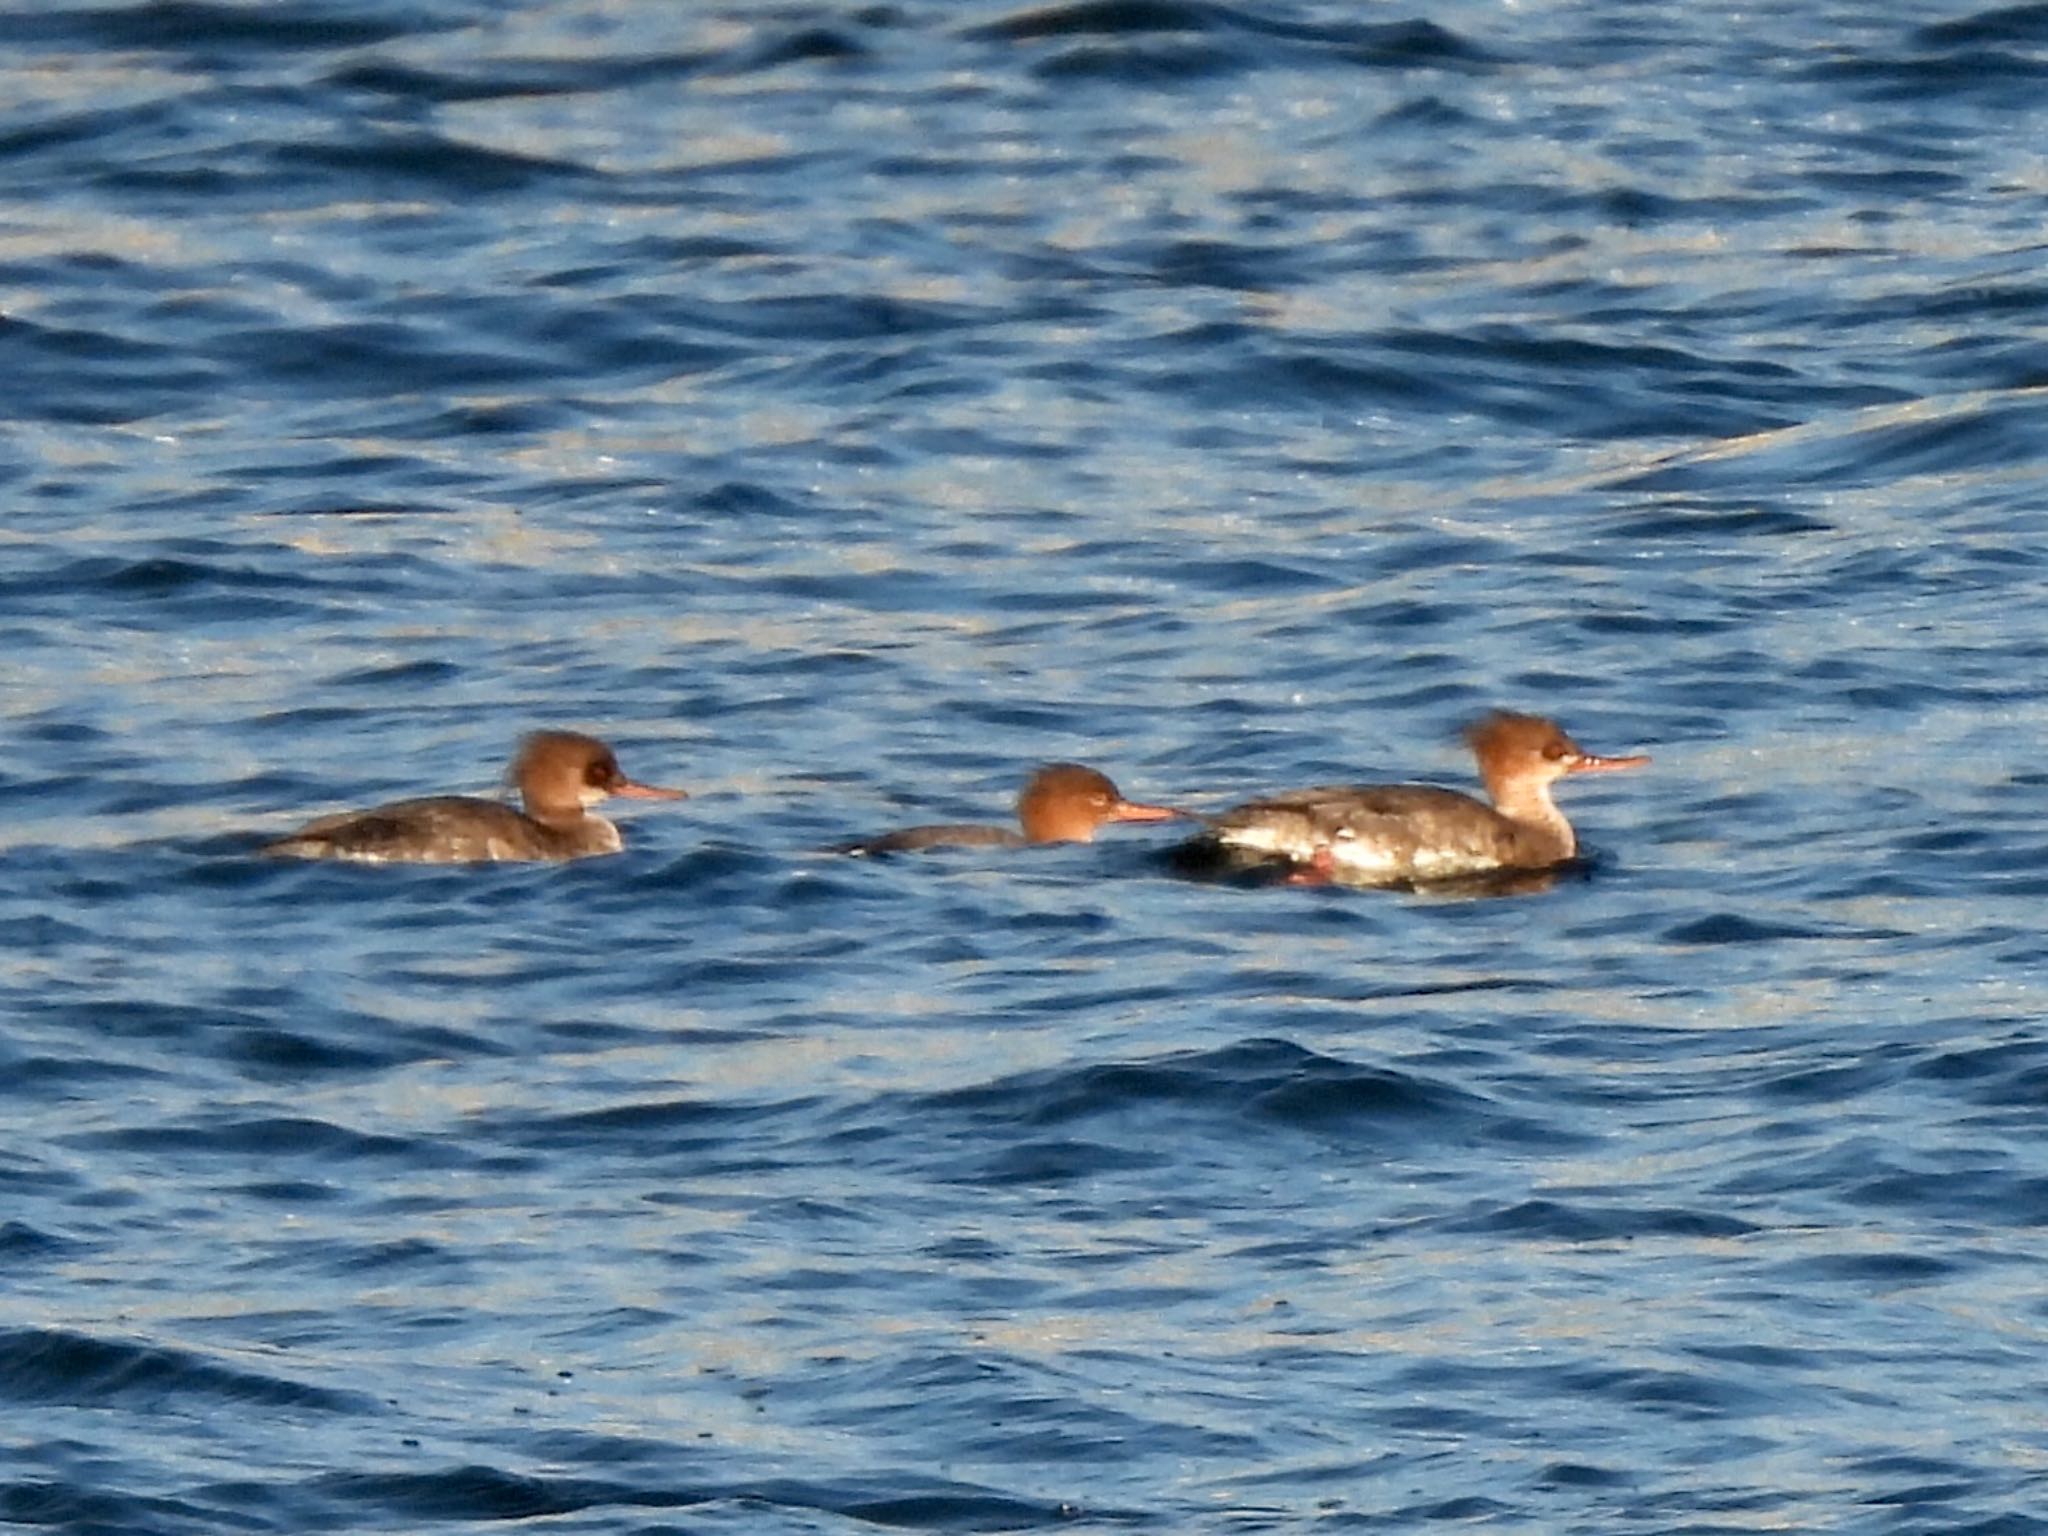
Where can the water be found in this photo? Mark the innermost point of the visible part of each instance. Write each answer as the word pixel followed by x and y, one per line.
pixel 844 408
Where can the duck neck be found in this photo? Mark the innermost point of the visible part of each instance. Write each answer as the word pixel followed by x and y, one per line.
pixel 1542 827
pixel 1053 824
pixel 562 815
pixel 574 831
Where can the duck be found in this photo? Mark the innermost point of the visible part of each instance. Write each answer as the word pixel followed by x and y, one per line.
pixel 560 776
pixel 1060 803
pixel 1409 834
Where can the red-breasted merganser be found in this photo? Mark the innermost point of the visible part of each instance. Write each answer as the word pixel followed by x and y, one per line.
pixel 1394 834
pixel 560 775
pixel 1062 803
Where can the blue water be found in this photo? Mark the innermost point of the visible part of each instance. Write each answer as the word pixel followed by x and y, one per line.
pixel 843 408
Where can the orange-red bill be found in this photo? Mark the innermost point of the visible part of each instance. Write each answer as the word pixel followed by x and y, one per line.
pixel 1587 763
pixel 634 791
pixel 1130 810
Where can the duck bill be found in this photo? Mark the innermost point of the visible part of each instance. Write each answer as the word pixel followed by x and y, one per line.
pixel 1130 810
pixel 1587 763
pixel 636 791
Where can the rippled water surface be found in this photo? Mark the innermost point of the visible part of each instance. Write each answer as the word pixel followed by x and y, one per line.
pixel 843 408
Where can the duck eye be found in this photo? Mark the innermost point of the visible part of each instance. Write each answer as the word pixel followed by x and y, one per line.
pixel 601 774
pixel 1556 750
